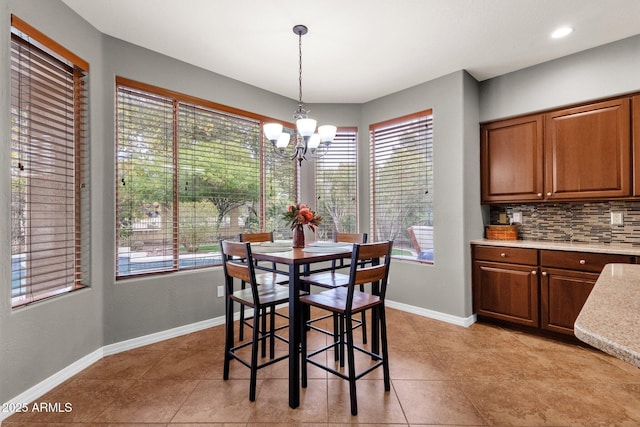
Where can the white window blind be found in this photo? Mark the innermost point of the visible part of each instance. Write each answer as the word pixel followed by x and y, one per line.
pixel 281 185
pixel 336 186
pixel 50 240
pixel 402 184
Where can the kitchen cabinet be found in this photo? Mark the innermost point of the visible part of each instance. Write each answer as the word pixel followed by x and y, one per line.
pixel 635 134
pixel 578 153
pixel 505 284
pixel 566 280
pixel 587 151
pixel 511 160
pixel 540 288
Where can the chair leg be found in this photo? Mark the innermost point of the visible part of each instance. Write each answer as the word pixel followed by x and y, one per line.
pixel 336 336
pixel 228 341
pixel 385 349
pixel 254 355
pixel 341 340
pixel 351 363
pixel 241 332
pixel 271 332
pixel 364 321
pixel 263 315
pixel 303 353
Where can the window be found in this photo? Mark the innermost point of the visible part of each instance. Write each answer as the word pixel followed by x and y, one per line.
pixel 49 160
pixel 191 172
pixel 336 186
pixel 402 184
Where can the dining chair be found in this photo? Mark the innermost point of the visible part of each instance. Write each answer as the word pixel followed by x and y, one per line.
pixel 265 278
pixel 333 279
pixel 239 265
pixel 347 301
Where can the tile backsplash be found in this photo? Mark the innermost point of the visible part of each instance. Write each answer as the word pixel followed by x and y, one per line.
pixel 574 222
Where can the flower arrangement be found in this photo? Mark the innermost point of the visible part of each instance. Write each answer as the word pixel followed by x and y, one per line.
pixel 300 214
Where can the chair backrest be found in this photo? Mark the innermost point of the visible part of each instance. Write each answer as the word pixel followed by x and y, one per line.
pixel 237 261
pixel 351 237
pixel 347 238
pixel 267 236
pixel 378 258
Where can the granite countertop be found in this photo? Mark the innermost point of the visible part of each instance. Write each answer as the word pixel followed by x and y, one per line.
pixel 610 319
pixel 606 248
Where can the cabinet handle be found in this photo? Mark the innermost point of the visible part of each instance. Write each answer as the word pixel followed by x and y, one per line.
pixel 533 273
pixel 539 194
pixel 544 273
pixel 503 255
pixel 583 262
pixel 549 194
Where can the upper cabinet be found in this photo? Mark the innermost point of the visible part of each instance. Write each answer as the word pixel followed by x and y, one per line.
pixel 579 153
pixel 511 160
pixel 635 122
pixel 587 152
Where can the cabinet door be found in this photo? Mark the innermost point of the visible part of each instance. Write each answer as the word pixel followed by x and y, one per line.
pixel 511 160
pixel 635 121
pixel 587 151
pixel 506 292
pixel 563 293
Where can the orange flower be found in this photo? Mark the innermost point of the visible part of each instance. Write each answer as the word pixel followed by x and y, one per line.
pixel 301 214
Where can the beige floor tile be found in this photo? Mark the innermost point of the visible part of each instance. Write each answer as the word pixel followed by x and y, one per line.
pixel 436 403
pixel 441 374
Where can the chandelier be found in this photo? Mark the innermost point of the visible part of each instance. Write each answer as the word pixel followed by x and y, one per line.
pixel 309 143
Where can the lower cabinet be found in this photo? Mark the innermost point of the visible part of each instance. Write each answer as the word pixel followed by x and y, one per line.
pixel 544 289
pixel 506 284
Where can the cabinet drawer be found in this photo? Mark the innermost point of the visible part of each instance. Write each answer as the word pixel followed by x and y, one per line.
pixel 581 261
pixel 506 254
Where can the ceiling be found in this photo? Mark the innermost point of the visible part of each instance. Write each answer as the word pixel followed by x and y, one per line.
pixel 359 50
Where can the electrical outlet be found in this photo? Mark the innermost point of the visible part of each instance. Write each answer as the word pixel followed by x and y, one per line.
pixel 220 291
pixel 517 217
pixel 617 218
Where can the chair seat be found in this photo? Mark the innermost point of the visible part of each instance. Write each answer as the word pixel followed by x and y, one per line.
pixel 269 279
pixel 330 279
pixel 335 300
pixel 269 295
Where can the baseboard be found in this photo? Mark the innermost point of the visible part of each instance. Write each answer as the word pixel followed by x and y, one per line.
pixel 32 394
pixel 163 335
pixel 58 378
pixel 460 321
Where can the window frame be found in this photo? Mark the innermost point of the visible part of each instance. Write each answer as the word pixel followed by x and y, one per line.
pixel 265 149
pixel 53 141
pixel 384 138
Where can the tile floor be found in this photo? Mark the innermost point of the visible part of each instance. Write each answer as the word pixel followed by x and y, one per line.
pixel 441 375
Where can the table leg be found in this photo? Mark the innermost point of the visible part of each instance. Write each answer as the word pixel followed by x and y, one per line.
pixel 295 320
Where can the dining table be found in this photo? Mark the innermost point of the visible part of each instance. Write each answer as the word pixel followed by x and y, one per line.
pixel 299 261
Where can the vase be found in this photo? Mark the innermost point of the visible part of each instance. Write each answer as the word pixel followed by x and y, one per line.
pixel 298 237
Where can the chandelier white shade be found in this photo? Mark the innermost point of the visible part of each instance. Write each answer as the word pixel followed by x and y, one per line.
pixel 307 139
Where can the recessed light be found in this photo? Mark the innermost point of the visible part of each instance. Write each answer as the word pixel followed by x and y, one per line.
pixel 561 32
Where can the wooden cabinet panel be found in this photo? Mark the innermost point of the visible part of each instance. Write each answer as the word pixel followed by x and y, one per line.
pixel 511 160
pixel 582 261
pixel 506 292
pixel 562 294
pixel 635 131
pixel 506 254
pixel 587 151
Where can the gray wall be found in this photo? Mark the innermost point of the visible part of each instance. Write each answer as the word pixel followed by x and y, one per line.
pixel 40 340
pixel 604 71
pixel 445 286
